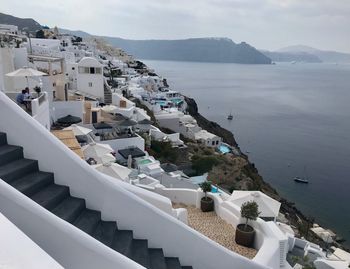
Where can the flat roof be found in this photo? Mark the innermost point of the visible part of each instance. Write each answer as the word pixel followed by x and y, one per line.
pixel 204 134
pixel 135 152
pixel 67 137
pixel 45 58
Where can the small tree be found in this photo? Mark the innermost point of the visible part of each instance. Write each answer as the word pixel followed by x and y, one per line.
pixel 249 211
pixel 206 187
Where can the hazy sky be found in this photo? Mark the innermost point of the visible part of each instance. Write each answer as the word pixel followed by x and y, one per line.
pixel 266 24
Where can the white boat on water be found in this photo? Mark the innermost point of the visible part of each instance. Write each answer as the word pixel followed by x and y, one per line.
pixel 230 116
pixel 301 180
pixel 304 179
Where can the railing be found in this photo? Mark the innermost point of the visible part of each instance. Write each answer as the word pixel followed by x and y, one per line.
pixel 42 98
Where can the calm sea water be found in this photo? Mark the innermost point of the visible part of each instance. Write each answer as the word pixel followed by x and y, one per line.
pixel 287 117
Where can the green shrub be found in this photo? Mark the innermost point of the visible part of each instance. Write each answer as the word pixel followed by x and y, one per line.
pixel 249 211
pixel 203 164
pixel 206 187
pixel 164 151
pixel 231 189
pixel 207 152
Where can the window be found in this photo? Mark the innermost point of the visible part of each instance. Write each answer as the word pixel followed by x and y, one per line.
pixel 73 68
pixel 217 142
pixel 81 70
pixel 89 70
pixel 213 143
pixel 90 84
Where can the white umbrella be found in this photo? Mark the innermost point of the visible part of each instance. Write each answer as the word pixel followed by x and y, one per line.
pixel 96 151
pixel 267 206
pixel 107 158
pixel 78 130
pixel 326 237
pixel 324 234
pixel 26 72
pixel 114 170
pixel 109 109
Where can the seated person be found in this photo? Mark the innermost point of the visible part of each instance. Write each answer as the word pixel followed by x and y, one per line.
pixel 20 98
pixel 27 94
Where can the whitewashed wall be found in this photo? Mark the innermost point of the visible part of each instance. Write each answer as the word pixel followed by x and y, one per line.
pixel 63 108
pixel 106 195
pixel 19 251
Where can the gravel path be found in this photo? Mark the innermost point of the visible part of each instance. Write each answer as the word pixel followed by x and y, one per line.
pixel 218 230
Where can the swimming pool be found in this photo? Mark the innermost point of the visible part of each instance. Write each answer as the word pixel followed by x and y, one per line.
pixel 144 161
pixel 215 189
pixel 162 103
pixel 176 101
pixel 224 149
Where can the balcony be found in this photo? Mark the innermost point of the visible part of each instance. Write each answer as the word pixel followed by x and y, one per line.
pixel 37 107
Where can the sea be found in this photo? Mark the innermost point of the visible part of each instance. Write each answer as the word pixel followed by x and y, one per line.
pixel 290 119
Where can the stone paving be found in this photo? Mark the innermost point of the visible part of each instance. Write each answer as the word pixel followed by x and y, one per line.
pixel 215 228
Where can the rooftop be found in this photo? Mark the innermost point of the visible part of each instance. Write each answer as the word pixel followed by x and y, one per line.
pixel 67 137
pixel 134 152
pixel 215 228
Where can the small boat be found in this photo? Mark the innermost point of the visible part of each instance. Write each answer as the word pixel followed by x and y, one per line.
pixel 304 179
pixel 230 116
pixel 301 180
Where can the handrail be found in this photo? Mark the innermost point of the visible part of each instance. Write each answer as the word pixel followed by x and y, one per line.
pixel 42 98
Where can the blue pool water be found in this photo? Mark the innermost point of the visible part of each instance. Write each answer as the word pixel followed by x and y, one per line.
pixel 215 190
pixel 176 101
pixel 162 103
pixel 224 149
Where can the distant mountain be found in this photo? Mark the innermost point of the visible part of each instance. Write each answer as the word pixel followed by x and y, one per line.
pixel 221 50
pixel 298 48
pixel 79 33
pixel 279 56
pixel 30 24
pixel 323 55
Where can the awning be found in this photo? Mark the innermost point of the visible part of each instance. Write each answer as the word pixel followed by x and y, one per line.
pixel 114 170
pixel 127 123
pixel 78 130
pixel 69 119
pixel 102 125
pixel 267 206
pixel 134 152
pixel 145 121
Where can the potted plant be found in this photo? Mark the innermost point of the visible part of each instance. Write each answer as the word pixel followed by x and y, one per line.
pixel 245 233
pixel 207 203
pixel 37 89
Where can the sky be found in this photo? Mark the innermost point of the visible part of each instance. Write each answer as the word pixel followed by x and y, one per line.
pixel 265 24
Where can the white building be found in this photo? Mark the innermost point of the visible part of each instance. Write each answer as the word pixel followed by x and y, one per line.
pixel 89 77
pixel 9 29
pixel 207 139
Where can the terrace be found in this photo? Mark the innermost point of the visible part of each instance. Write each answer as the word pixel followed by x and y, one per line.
pixel 215 228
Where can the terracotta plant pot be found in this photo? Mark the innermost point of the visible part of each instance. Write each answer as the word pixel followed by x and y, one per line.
pixel 207 204
pixel 245 237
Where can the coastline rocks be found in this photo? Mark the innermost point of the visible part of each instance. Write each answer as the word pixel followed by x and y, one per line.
pixel 299 222
pixel 208 125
